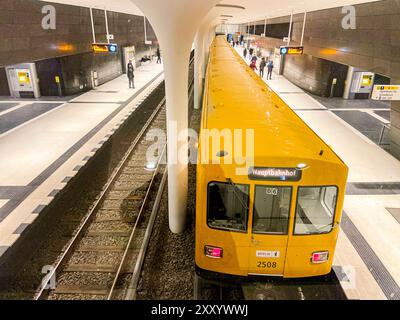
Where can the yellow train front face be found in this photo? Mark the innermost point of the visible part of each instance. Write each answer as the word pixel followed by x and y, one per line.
pixel 259 225
pixel 278 212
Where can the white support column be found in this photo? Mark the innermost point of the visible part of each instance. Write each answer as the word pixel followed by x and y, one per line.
pixel 304 28
pixel 290 29
pixel 265 27
pixel 248 34
pixel 348 83
pixel 198 68
pixel 92 23
pixel 107 31
pixel 145 29
pixel 175 23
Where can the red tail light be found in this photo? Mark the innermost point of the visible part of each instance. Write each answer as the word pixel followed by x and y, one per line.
pixel 320 257
pixel 213 252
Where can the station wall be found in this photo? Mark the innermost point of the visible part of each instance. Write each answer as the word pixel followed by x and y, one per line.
pixel 315 75
pixel 24 40
pixel 373 45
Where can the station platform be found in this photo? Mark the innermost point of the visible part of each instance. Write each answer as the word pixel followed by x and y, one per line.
pixel 44 143
pixel 368 251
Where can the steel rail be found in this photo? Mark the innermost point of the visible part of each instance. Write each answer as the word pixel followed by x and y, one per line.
pixel 96 206
pixel 132 288
pixel 133 232
pixel 90 215
pixel 131 291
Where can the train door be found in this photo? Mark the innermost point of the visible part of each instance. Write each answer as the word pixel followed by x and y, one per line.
pixel 270 228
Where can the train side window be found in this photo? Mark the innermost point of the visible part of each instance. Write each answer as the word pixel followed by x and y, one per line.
pixel 315 210
pixel 271 210
pixel 228 206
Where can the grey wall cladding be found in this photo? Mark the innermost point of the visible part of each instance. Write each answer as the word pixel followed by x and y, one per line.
pixel 24 39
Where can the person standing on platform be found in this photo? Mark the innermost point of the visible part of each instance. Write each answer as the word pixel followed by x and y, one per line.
pixel 253 66
pixel 131 75
pixel 158 55
pixel 270 68
pixel 245 53
pixel 263 64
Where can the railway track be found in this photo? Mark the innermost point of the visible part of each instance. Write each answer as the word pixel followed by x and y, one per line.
pixel 99 262
pixel 86 247
pixel 104 258
pixel 320 288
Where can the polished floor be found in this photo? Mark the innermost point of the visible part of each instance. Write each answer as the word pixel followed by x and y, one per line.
pixel 45 142
pixel 368 252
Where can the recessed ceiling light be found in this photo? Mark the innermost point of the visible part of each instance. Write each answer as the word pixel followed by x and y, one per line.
pixel 232 6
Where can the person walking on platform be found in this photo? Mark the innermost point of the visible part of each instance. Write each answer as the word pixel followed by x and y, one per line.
pixel 263 64
pixel 253 66
pixel 131 75
pixel 251 51
pixel 270 67
pixel 245 53
pixel 158 55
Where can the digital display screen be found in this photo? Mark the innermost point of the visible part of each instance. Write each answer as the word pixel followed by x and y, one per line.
pixel 292 50
pixel 104 48
pixel 275 174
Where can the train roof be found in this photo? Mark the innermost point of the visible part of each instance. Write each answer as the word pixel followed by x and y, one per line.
pixel 236 98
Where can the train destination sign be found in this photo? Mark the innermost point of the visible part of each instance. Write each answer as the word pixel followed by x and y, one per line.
pixel 386 93
pixel 275 174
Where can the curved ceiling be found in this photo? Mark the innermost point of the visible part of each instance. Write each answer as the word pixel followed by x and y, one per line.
pixel 124 6
pixel 254 9
pixel 261 9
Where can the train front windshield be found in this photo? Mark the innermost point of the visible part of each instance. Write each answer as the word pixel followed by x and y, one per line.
pixel 315 211
pixel 228 209
pixel 228 206
pixel 271 210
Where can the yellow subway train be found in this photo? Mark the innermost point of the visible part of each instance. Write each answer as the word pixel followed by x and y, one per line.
pixel 270 192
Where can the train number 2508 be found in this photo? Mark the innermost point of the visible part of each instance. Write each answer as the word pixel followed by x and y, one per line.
pixel 265 265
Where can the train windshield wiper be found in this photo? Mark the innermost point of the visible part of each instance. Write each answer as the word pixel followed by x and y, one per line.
pixel 235 188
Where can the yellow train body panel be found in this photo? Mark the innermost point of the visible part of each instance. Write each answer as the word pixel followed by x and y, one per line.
pixel 236 98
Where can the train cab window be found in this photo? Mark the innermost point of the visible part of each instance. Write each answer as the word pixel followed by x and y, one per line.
pixel 271 210
pixel 315 210
pixel 228 206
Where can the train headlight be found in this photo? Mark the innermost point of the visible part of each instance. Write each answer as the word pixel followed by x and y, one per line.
pixel 151 166
pixel 320 257
pixel 213 252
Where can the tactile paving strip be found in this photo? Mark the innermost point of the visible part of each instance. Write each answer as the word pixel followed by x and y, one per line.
pixel 395 212
pixel 382 276
pixel 373 188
